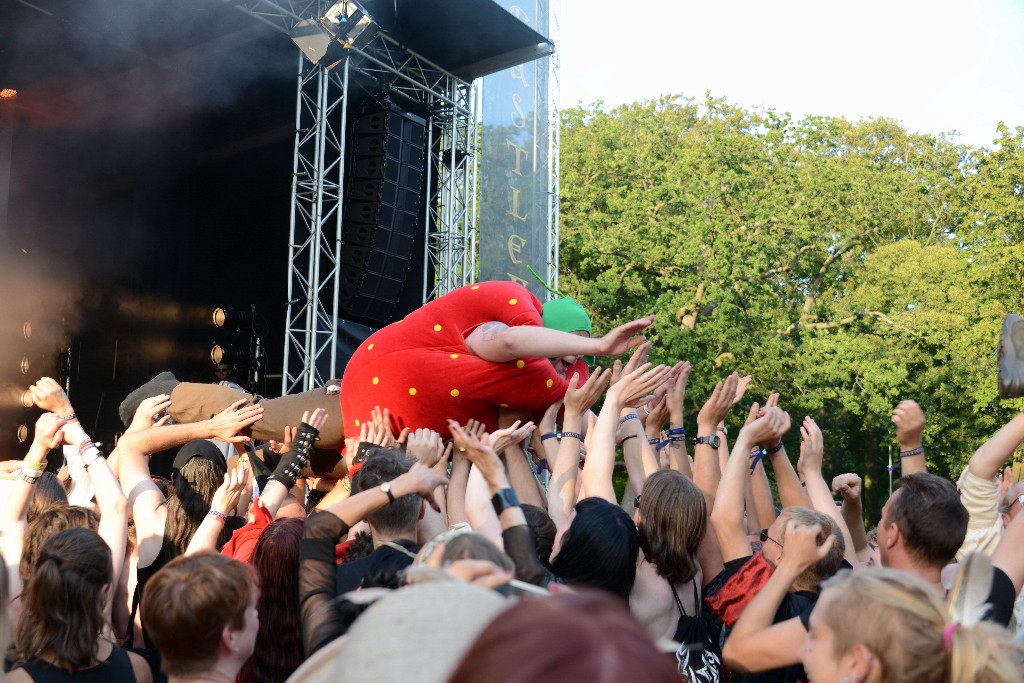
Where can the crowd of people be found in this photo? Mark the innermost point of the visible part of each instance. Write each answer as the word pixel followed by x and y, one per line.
pixel 447 511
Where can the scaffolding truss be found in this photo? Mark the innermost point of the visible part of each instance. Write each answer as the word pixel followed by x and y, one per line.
pixel 310 353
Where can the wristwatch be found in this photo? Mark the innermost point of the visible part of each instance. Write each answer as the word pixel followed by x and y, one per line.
pixel 504 499
pixel 714 440
pixel 386 488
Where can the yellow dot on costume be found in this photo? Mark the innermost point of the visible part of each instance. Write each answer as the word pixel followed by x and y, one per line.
pixel 475 287
pixel 412 391
pixel 357 423
pixel 454 355
pixel 376 380
pixel 550 383
pixel 520 363
pixel 370 347
pixel 437 328
pixel 455 392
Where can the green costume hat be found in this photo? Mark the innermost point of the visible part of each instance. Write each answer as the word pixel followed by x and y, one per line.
pixel 565 315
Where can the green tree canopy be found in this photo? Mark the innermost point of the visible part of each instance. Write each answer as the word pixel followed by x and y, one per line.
pixel 847 265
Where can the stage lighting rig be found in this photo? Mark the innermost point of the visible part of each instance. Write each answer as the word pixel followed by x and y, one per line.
pixel 233 317
pixel 325 40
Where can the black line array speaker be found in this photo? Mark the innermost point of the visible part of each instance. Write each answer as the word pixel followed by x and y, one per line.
pixel 384 206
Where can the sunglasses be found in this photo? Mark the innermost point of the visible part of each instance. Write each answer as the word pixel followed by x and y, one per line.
pixel 765 537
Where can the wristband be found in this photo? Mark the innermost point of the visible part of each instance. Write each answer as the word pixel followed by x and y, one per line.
pixel 28 478
pixel 676 431
pixel 631 416
pixel 219 515
pixel 549 435
pixel 571 435
pixel 627 438
pixel 543 464
pixel 503 500
pixel 917 451
pixel 34 466
pixel 69 418
pixel 92 462
pixel 86 446
pixel 774 449
pixel 756 458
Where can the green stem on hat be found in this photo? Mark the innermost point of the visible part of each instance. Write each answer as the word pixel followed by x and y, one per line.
pixel 544 284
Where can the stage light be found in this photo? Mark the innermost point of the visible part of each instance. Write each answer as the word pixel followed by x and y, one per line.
pixel 324 41
pixel 8 94
pixel 26 399
pixel 22 433
pixel 230 355
pixel 25 364
pixel 26 330
pixel 232 317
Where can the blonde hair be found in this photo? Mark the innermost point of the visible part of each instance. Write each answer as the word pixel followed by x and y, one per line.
pixel 904 623
pixel 828 565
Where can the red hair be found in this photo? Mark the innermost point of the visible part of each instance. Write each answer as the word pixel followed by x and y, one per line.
pixel 279 640
pixel 588 636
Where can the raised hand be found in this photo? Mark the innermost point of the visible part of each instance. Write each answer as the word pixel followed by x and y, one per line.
pixel 286 444
pixel 638 358
pixel 580 400
pixel 768 428
pixel 812 449
pixel 152 412
pixel 382 422
pixel 50 396
pixel 226 424
pixel 676 393
pixel 49 434
pixel 847 485
pixel 426 446
pixel 623 337
pixel 634 386
pixel 513 434
pixel 717 407
pixel 805 545
pixel 424 482
pixel 226 497
pixel 909 420
pixel 480 453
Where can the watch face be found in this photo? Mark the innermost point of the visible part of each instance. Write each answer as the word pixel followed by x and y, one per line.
pixel 714 441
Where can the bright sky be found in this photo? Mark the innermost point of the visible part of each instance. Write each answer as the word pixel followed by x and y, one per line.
pixel 936 65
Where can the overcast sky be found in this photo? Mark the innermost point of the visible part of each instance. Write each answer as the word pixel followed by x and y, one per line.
pixel 937 65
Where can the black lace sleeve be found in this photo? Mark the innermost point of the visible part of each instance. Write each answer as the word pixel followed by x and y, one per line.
pixel 520 546
pixel 321 622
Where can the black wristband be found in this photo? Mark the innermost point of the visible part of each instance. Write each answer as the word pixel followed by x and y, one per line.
pixel 627 438
pixel 549 435
pixel 774 449
pixel 504 499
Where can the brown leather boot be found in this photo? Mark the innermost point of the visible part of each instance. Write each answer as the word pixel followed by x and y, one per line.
pixel 1011 357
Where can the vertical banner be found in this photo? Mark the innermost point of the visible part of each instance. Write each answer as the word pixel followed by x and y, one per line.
pixel 515 175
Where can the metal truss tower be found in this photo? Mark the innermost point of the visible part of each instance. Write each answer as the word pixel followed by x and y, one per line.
pixel 554 147
pixel 310 354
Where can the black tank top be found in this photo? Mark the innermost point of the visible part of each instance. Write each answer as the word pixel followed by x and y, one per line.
pixel 116 669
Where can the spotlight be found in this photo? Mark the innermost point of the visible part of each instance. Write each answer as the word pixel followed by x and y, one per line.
pixel 25 365
pixel 26 330
pixel 230 355
pixel 26 399
pixel 8 94
pixel 22 433
pixel 325 40
pixel 232 317
pixel 348 22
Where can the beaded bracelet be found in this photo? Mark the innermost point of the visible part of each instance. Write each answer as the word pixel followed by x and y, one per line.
pixel 219 515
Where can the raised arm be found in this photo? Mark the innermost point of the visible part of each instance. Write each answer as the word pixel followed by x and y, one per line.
pixel 909 420
pixel 289 468
pixel 49 433
pixel 626 393
pixel 706 466
pixel 727 514
pixel 562 488
pixel 321 621
pixel 991 455
pixel 497 342
pixel 754 643
pixel 848 486
pixel 224 505
pixel 812 448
